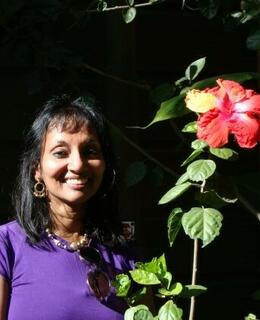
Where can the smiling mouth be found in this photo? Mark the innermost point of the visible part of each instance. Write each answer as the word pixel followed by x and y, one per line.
pixel 74 181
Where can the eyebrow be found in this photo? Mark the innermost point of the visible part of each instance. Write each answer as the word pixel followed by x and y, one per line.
pixel 90 141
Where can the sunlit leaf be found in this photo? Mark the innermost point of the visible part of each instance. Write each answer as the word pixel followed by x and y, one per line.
pixel 192 157
pixel 192 291
pixel 130 2
pixel 200 170
pixel 198 144
pixel 174 290
pixel 175 192
pixel 172 108
pixel 166 280
pixel 251 316
pixel 129 314
pixel 122 284
pixel 223 153
pixel 102 5
pixel 183 178
pixel 129 14
pixel 144 277
pixel 174 224
pixel 190 127
pixel 169 311
pixel 143 314
pixel 195 68
pixel 202 223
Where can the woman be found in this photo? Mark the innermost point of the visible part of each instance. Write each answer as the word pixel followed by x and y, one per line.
pixel 58 257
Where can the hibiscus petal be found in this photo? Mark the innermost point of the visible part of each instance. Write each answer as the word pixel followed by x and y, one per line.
pixel 246 129
pixel 233 89
pixel 213 129
pixel 249 105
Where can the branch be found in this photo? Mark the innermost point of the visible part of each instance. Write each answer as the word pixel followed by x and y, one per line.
pixel 116 78
pixel 194 274
pixel 147 155
pixel 144 4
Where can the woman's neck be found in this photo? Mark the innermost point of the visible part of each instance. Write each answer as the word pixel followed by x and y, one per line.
pixel 66 223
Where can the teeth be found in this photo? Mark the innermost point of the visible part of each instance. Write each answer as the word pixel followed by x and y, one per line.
pixel 77 181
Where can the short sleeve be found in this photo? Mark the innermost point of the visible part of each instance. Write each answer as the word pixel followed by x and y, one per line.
pixel 5 257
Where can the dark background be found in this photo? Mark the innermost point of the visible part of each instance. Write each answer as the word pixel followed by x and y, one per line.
pixel 43 53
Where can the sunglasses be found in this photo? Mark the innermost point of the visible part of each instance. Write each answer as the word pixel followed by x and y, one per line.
pixel 97 280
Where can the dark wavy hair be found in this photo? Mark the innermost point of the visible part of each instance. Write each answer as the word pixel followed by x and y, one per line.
pixel 33 213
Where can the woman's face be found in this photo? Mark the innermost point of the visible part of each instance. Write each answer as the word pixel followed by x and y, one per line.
pixel 71 166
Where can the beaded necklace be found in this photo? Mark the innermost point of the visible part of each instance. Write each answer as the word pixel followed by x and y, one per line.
pixel 73 246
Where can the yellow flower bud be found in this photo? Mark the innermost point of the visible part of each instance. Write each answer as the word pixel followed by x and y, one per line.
pixel 199 101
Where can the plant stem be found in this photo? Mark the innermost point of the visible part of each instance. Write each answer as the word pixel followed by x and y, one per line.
pixel 194 274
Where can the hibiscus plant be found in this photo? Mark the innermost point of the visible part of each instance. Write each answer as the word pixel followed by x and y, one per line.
pixel 224 111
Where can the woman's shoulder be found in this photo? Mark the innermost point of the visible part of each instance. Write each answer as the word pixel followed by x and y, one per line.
pixel 11 231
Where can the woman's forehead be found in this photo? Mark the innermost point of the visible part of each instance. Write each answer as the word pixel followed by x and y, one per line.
pixel 70 124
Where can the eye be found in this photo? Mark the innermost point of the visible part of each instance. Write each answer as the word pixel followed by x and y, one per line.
pixel 91 152
pixel 60 153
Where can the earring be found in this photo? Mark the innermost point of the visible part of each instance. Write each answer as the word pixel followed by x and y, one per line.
pixel 39 190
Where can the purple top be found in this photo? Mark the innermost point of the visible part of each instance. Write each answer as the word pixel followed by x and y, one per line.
pixel 50 283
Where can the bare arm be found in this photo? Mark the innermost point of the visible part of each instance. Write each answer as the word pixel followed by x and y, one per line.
pixel 4 290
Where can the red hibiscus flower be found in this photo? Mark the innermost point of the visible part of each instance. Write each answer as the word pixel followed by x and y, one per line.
pixel 236 111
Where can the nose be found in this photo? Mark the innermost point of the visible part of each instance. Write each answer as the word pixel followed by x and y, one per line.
pixel 76 162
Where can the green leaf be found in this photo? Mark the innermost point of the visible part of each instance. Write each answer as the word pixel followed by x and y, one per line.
pixel 174 290
pixel 122 284
pixel 213 199
pixel 238 77
pixel 201 170
pixel 129 314
pixel 169 311
pixel 190 127
pixel 253 41
pixel 102 5
pixel 195 68
pixel 191 157
pixel 192 291
pixel 144 277
pixel 135 173
pixel 202 223
pixel 129 14
pixel 166 280
pixel 180 81
pixel 183 178
pixel 172 108
pixel 156 266
pixel 175 192
pixel 143 314
pixel 223 153
pixel 198 144
pixel 174 224
pixel 130 2
pixel 250 316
